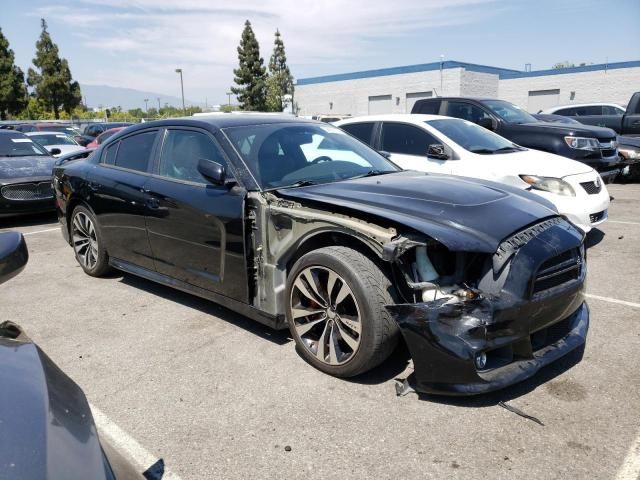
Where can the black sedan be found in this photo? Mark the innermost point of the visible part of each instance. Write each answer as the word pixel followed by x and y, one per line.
pixel 295 223
pixel 25 175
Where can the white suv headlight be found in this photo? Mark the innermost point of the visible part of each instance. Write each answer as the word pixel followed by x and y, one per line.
pixel 582 143
pixel 549 184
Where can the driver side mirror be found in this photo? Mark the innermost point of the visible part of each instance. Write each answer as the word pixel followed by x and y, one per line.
pixel 385 154
pixel 437 151
pixel 55 151
pixel 13 255
pixel 488 123
pixel 212 171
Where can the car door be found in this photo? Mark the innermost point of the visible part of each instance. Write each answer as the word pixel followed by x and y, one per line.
pixel 408 145
pixel 118 200
pixel 196 228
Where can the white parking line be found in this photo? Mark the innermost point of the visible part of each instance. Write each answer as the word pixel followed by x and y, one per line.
pixel 612 300
pixel 623 222
pixel 126 444
pixel 42 231
pixel 630 469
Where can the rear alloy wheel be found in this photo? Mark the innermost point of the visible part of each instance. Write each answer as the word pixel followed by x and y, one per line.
pixel 85 240
pixel 336 311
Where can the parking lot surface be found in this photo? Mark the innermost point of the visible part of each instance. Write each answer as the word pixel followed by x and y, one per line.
pixel 215 395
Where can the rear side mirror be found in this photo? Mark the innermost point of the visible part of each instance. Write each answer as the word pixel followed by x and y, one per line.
pixel 437 151
pixel 13 255
pixel 212 171
pixel 487 122
pixel 55 151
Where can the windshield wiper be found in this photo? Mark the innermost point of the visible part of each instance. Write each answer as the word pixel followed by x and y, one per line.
pixel 299 183
pixel 507 149
pixel 482 150
pixel 373 173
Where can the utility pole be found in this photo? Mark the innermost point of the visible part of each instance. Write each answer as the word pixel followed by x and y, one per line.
pixel 146 105
pixel 441 67
pixel 158 99
pixel 179 70
pixel 229 97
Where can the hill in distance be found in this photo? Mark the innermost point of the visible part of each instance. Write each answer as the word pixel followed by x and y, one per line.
pixel 128 98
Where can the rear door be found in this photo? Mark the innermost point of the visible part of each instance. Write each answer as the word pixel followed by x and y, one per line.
pixel 196 229
pixel 118 200
pixel 408 145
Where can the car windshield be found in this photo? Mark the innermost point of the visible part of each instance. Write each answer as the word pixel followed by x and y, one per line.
pixel 53 139
pixel 56 128
pixel 296 154
pixel 509 112
pixel 472 137
pixel 17 144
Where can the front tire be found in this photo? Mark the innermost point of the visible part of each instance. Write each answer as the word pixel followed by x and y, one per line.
pixel 336 311
pixel 86 241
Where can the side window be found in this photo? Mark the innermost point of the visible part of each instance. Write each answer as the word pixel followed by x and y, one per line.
pixel 362 131
pixel 134 151
pixel 591 110
pixel 428 107
pixel 406 139
pixel 109 155
pixel 611 110
pixel 567 112
pixel 181 152
pixel 466 111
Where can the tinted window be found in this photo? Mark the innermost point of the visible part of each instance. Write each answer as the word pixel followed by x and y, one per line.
pixel 109 155
pixel 407 139
pixel 181 152
pixel 508 111
pixel 362 131
pixel 466 111
pixel 282 154
pixel 428 107
pixel 592 110
pixel 134 151
pixel 471 136
pixel 611 110
pixel 569 112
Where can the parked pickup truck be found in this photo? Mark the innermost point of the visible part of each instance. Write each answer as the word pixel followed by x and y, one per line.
pixel 595 147
pixel 625 123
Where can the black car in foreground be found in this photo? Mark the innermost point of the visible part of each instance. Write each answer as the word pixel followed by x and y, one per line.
pixel 595 146
pixel 25 175
pixel 295 223
pixel 46 427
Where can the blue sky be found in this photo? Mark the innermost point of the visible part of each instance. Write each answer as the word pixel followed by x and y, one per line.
pixel 139 43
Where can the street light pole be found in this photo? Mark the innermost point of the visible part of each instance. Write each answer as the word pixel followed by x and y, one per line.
pixel 229 96
pixel 158 105
pixel 441 81
pixel 146 105
pixel 179 70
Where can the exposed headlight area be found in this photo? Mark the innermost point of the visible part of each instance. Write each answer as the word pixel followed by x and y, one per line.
pixel 583 143
pixel 549 184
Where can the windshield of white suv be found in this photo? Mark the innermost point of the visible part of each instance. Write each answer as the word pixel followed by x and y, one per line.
pixel 508 111
pixel 16 144
pixel 472 137
pixel 285 155
pixel 46 139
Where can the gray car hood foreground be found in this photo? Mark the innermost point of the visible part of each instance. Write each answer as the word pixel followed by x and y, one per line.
pixel 464 214
pixel 25 167
pixel 46 427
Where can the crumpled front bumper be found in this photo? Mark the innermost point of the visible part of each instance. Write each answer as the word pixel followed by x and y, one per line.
pixel 518 337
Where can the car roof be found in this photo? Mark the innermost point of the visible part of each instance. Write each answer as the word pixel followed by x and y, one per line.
pixel 592 104
pixel 224 120
pixel 416 118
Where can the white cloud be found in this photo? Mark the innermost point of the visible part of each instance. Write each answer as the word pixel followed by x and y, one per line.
pixel 142 41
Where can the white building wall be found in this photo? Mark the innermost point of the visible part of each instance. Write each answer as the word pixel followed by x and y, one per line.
pixel 477 84
pixel 615 85
pixel 352 96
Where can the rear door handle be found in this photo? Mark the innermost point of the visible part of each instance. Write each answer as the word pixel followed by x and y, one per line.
pixel 152 202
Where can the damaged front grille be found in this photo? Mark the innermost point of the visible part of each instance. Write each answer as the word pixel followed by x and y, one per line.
pixel 509 246
pixel 558 270
pixel 27 191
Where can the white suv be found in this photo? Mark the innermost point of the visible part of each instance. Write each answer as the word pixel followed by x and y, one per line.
pixel 434 143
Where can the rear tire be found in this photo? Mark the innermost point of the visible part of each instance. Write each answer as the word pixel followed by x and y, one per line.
pixel 86 242
pixel 336 311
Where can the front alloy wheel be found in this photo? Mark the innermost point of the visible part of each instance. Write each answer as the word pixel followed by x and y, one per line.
pixel 325 314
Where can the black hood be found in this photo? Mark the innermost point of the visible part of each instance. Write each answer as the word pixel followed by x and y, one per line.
pixel 462 213
pixel 601 133
pixel 26 167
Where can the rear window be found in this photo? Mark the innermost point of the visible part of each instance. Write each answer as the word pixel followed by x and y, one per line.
pixel 428 107
pixel 362 131
pixel 134 151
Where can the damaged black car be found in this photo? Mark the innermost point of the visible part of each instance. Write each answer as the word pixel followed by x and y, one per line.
pixel 296 224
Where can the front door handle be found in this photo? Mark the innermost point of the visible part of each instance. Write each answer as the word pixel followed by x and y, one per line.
pixel 152 202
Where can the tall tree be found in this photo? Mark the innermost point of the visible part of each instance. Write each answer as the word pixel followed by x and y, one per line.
pixel 280 81
pixel 53 82
pixel 13 92
pixel 250 76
